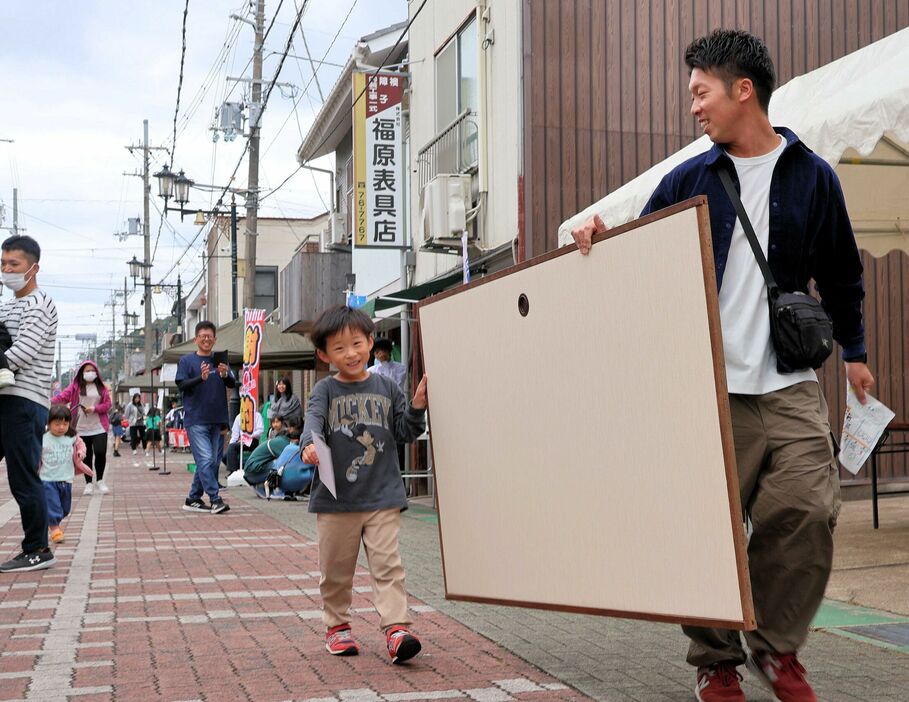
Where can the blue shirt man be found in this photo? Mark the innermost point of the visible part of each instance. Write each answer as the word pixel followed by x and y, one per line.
pixel 385 365
pixel 204 386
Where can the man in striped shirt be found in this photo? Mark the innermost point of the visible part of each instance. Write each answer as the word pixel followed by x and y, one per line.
pixel 31 318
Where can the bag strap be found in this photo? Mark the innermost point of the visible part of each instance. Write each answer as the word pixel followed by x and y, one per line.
pixel 749 230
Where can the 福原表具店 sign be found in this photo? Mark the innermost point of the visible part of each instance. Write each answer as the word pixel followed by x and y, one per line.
pixel 378 159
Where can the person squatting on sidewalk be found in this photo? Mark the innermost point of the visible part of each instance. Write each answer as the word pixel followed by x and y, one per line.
pixel 274 469
pixel 89 401
pixel 204 389
pixel 362 416
pixel 62 454
pixel 788 474
pixel 31 318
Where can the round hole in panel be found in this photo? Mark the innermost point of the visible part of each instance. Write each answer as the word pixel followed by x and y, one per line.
pixel 523 304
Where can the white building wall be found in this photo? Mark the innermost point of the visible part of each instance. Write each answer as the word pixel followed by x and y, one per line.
pixel 278 240
pixel 437 23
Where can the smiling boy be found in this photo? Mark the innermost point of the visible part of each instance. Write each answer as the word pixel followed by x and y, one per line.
pixel 361 416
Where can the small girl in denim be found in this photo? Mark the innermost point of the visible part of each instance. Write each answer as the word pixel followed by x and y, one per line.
pixel 62 454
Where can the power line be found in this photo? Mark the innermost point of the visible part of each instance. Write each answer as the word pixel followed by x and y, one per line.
pixel 233 33
pixel 261 110
pixel 287 45
pixel 358 97
pixel 173 150
pixel 375 73
pixel 306 88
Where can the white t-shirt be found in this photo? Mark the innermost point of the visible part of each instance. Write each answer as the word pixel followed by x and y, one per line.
pixel 750 358
pixel 89 424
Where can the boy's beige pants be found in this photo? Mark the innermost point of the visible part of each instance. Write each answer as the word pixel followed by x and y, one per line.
pixel 789 485
pixel 340 534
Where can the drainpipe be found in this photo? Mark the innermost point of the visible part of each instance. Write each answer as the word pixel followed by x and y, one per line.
pixel 483 44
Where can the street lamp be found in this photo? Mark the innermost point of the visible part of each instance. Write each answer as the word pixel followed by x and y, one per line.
pixel 137 268
pixel 165 182
pixel 177 186
pixel 182 184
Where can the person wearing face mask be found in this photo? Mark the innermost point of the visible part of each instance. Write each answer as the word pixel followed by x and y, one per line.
pixel 31 319
pixel 89 402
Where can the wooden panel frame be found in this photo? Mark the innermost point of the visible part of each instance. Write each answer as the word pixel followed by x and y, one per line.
pixel 727 450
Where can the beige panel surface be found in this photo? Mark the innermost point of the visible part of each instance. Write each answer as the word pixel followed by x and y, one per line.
pixel 578 450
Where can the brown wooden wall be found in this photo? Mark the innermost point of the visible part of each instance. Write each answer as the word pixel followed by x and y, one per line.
pixel 887 339
pixel 605 85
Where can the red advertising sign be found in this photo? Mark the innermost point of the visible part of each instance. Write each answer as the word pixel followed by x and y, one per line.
pixel 253 332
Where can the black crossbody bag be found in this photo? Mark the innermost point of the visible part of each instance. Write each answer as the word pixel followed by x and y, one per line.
pixel 800 329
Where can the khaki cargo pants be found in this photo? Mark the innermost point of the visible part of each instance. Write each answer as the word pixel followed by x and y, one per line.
pixel 789 485
pixel 340 534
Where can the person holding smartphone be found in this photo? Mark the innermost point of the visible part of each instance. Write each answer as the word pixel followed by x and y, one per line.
pixel 203 380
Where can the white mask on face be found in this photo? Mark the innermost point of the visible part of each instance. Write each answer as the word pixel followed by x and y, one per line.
pixel 16 281
pixel 89 376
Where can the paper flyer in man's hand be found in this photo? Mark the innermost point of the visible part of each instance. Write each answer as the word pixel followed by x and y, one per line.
pixel 326 468
pixel 862 429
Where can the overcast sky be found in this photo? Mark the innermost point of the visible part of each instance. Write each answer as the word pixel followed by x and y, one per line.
pixel 77 79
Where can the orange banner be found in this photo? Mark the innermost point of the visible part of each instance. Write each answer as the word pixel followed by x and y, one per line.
pixel 253 332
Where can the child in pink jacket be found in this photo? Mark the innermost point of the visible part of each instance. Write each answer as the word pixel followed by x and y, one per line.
pixel 62 454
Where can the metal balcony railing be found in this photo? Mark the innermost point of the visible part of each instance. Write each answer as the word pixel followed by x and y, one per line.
pixel 453 150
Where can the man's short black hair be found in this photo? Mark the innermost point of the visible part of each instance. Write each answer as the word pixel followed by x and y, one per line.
pixel 205 324
pixel 383 345
pixel 731 54
pixel 336 319
pixel 25 244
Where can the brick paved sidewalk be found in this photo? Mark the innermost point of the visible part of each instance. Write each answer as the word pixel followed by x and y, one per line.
pixel 149 603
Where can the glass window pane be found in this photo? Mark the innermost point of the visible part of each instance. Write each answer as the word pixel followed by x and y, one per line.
pixel 446 86
pixel 266 281
pixel 468 70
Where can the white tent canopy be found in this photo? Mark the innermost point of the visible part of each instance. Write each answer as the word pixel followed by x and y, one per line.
pixel 849 104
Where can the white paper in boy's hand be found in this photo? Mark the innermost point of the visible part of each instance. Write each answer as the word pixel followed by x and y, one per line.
pixel 326 468
pixel 862 429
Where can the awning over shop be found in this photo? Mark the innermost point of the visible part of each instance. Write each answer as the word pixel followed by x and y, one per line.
pixel 144 383
pixel 491 261
pixel 853 113
pixel 279 350
pixel 416 293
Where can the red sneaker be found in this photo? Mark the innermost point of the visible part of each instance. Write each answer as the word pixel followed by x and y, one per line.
pixel 340 642
pixel 402 645
pixel 782 673
pixel 719 683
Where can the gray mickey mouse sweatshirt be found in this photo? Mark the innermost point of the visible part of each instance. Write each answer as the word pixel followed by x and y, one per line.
pixel 362 423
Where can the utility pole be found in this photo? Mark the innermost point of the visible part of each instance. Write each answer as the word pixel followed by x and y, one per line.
pixel 233 258
pixel 180 307
pixel 59 362
pixel 252 197
pixel 113 338
pixel 15 211
pixel 146 234
pixel 127 366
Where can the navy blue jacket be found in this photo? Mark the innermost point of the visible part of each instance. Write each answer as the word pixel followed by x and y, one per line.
pixel 204 401
pixel 810 233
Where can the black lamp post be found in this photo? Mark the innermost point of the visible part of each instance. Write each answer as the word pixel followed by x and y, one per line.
pixel 177 187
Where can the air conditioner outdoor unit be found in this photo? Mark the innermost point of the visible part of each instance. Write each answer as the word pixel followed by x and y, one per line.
pixel 338 227
pixel 445 202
